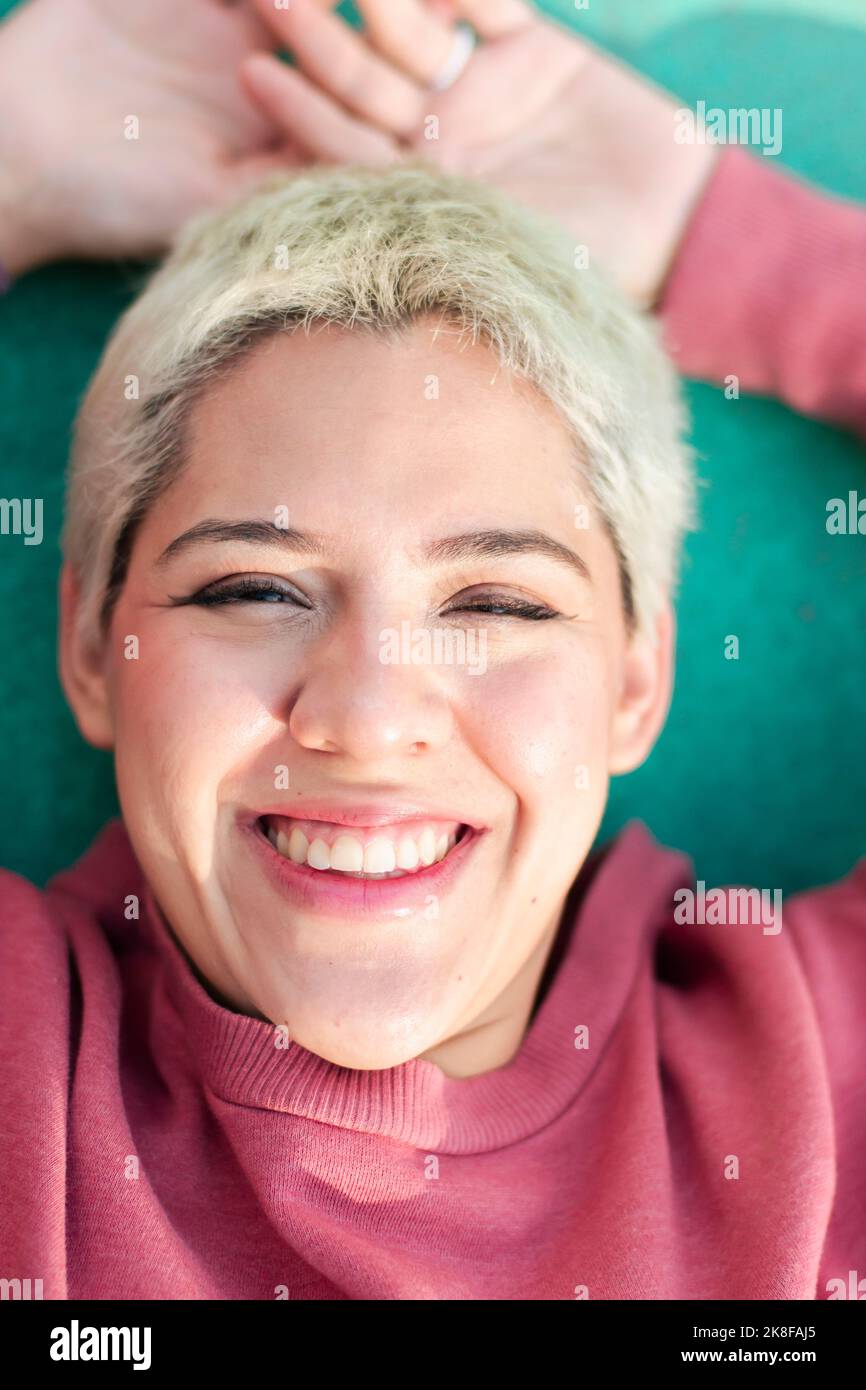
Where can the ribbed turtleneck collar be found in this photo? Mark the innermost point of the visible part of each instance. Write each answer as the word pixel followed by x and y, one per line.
pixel 620 893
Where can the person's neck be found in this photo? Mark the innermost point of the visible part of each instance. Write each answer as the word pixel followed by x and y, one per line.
pixel 493 1039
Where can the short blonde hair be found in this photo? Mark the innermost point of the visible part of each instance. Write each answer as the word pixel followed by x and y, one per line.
pixel 376 249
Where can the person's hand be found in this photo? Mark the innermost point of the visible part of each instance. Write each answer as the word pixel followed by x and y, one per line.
pixel 74 75
pixel 537 111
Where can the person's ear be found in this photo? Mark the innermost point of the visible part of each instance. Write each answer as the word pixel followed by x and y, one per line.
pixel 644 696
pixel 82 670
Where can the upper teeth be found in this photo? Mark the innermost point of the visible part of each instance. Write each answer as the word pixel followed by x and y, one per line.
pixel 365 854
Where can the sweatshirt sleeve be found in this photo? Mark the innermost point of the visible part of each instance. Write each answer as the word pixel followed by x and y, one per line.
pixel 828 928
pixel 34 1078
pixel 769 285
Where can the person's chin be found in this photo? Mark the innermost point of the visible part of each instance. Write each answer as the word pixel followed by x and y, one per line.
pixel 361 1040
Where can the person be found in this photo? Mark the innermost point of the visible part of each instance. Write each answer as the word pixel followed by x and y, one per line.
pixel 345 1006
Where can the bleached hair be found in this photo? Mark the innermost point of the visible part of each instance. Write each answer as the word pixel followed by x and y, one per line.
pixel 374 250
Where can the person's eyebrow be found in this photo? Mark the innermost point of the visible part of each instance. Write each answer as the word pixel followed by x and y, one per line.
pixel 473 545
pixel 284 538
pixel 495 544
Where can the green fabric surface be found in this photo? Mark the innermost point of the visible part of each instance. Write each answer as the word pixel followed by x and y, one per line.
pixel 761 771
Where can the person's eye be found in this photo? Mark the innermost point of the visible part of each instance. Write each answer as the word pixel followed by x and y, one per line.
pixel 503 606
pixel 246 588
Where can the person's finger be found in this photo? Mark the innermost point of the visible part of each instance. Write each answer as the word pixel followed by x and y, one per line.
pixel 340 62
pixel 311 118
pixel 493 19
pixel 410 34
pixel 445 9
pixel 417 36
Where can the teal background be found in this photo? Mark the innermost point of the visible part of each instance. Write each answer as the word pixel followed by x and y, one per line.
pixel 761 771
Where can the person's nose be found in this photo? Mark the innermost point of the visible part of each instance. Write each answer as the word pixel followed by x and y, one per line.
pixel 357 700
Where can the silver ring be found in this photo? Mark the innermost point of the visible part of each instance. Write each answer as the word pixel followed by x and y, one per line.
pixel 462 50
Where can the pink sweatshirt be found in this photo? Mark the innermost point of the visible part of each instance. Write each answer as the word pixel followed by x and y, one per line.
pixel 710 1141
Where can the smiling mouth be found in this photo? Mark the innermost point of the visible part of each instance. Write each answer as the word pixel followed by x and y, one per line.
pixel 401 850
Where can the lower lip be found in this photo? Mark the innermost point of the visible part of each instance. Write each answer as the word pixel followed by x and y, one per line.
pixel 328 893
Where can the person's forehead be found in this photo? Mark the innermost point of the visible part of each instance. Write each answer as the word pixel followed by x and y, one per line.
pixel 428 375
pixel 351 434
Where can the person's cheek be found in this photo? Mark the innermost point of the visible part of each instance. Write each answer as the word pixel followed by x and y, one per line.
pixel 540 724
pixel 191 719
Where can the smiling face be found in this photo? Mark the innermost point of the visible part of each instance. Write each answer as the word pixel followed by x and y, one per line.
pixel 414 650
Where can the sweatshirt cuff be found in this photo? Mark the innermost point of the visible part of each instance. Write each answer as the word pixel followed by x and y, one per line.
pixel 770 285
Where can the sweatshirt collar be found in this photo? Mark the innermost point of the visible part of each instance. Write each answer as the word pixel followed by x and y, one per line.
pixel 623 893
